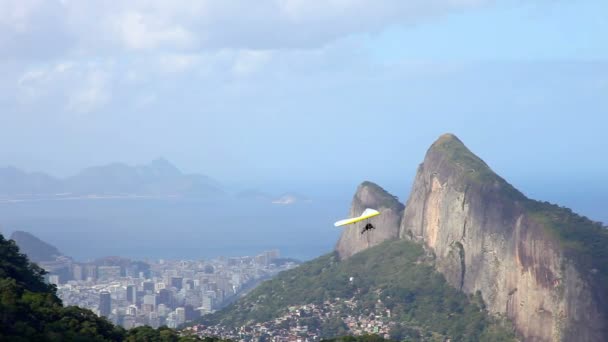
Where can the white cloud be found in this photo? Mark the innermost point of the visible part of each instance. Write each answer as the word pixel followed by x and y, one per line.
pixel 80 87
pixel 93 93
pixel 93 27
pixel 138 31
pixel 177 62
pixel 250 61
pixel 144 100
pixel 156 42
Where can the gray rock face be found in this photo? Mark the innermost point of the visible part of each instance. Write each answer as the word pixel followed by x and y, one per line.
pixel 485 239
pixel 370 195
pixel 487 236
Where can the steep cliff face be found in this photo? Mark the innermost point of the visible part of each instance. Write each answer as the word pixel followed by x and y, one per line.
pixel 527 258
pixel 370 195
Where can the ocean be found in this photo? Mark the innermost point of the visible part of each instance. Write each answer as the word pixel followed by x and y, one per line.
pixel 195 229
pixel 177 228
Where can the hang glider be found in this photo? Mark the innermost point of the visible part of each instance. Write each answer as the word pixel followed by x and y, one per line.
pixel 368 213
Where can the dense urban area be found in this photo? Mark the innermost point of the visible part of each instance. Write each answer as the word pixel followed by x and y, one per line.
pixel 164 292
pixel 312 322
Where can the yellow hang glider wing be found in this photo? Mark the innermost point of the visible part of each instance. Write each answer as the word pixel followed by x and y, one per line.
pixel 366 214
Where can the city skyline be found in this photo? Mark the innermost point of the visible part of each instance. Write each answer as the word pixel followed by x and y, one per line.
pixel 166 292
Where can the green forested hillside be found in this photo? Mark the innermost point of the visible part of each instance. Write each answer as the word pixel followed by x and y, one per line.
pixel 396 274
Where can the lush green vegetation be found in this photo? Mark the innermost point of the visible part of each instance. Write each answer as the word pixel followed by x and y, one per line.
pixel 474 169
pixel 162 334
pixel 31 311
pixel 363 338
pixel 584 241
pixel 395 273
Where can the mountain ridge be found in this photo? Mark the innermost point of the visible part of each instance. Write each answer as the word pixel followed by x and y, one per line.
pixel 157 178
pixel 537 265
pixel 531 260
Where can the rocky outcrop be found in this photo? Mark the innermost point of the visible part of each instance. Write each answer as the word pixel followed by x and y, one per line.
pixel 489 237
pixel 370 195
pixel 541 266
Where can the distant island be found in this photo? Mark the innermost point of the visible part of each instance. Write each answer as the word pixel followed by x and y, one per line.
pixel 283 199
pixel 158 178
pixel 155 180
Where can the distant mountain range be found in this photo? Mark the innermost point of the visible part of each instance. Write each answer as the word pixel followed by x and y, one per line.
pixel 157 178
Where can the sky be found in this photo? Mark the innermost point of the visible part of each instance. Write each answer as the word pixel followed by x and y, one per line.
pixel 300 92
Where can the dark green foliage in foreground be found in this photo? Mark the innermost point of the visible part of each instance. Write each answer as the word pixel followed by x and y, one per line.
pixel 394 272
pixel 362 338
pixel 162 334
pixel 31 311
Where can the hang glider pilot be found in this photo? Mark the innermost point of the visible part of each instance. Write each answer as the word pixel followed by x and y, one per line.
pixel 367 214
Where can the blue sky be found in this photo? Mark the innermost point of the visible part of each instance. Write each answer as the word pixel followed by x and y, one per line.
pixel 536 30
pixel 293 92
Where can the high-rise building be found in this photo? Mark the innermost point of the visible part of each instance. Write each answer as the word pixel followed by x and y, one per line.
pixel 90 272
pixel 108 272
pixel 272 254
pixel 132 294
pixel 162 310
pixel 159 286
pixel 54 279
pixel 132 310
pixel 190 313
pixel 77 272
pixel 172 320
pixel 150 300
pixel 208 302
pixel 164 297
pixel 128 322
pixel 105 303
pixel 148 287
pixel 261 259
pixel 153 320
pixel 176 282
pixel 180 314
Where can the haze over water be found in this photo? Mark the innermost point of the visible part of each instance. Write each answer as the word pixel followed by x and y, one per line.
pixel 286 94
pixel 194 229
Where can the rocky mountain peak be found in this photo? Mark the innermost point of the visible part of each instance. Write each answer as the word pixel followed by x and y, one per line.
pixel 448 160
pixel 488 237
pixel 370 195
pixel 162 167
pixel 542 266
